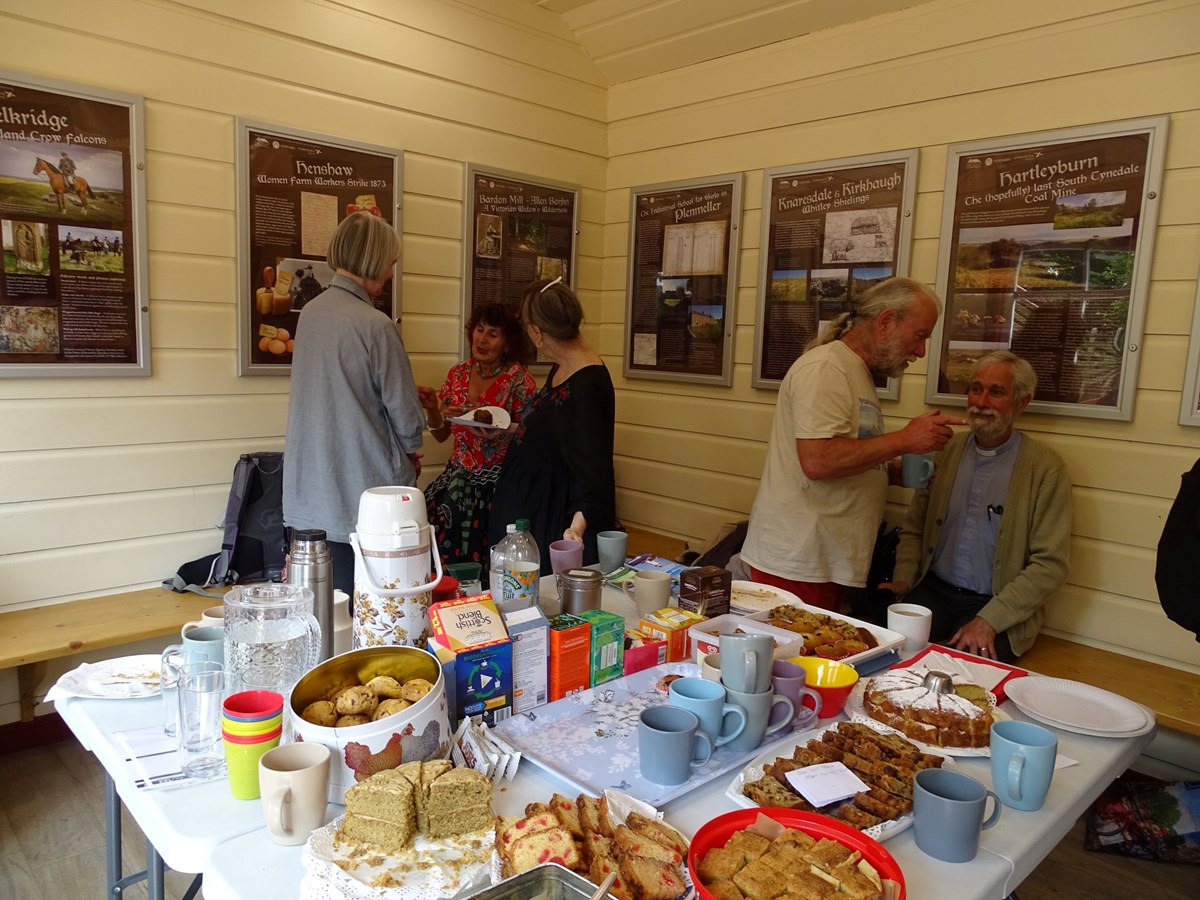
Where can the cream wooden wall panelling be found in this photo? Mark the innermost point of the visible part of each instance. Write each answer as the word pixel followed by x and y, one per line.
pixel 139 420
pixel 75 521
pixel 692 521
pixel 34 579
pixel 190 278
pixel 203 85
pixel 926 28
pixel 430 295
pixel 57 474
pixel 190 181
pixel 497 26
pixel 670 479
pixel 1118 623
pixel 901 47
pixel 184 373
pixel 1104 515
pixel 312 46
pixel 696 452
pixel 1046 105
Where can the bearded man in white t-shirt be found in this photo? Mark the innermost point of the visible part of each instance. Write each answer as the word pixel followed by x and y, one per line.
pixel 829 462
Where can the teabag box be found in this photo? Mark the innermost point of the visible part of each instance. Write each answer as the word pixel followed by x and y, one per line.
pixel 671 625
pixel 705 590
pixel 570 655
pixel 471 643
pixel 529 631
pixel 608 645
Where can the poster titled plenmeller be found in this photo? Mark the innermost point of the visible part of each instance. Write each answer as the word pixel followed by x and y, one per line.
pixel 520 231
pixel 831 231
pixel 69 289
pixel 296 187
pixel 682 272
pixel 1048 256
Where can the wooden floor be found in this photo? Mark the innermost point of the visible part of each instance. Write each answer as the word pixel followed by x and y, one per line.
pixel 52 842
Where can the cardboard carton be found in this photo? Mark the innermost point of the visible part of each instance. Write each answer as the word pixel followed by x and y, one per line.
pixel 570 655
pixel 643 651
pixel 705 590
pixel 608 645
pixel 471 643
pixel 671 625
pixel 529 630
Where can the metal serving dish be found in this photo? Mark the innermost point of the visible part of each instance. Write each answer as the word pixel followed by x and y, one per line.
pixel 545 882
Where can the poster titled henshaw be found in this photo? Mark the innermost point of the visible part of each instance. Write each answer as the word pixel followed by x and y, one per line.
pixel 1045 251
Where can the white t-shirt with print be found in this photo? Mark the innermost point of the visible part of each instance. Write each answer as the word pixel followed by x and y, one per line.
pixel 819 530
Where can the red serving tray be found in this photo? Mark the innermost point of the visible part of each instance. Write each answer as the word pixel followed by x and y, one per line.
pixel 998 690
pixel 716 832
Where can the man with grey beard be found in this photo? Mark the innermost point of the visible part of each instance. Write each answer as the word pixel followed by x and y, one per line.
pixel 829 461
pixel 988 540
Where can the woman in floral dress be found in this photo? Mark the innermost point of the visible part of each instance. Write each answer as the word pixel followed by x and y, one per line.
pixel 460 498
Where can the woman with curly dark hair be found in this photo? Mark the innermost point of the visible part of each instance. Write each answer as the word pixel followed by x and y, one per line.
pixel 460 498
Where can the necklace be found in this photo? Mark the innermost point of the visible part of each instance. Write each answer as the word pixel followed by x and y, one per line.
pixel 478 368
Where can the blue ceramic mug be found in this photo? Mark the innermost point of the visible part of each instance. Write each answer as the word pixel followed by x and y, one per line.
pixel 1023 757
pixel 720 720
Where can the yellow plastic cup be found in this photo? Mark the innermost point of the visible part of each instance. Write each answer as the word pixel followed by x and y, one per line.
pixel 241 760
pixel 251 729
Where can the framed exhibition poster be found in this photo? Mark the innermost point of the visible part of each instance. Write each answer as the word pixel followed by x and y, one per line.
pixel 1189 407
pixel 519 230
pixel 294 188
pixel 683 251
pixel 831 230
pixel 1045 250
pixel 73 297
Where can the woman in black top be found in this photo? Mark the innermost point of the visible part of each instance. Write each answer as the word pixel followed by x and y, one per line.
pixel 559 470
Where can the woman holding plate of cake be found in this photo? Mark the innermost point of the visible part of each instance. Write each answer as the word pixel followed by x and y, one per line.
pixel 460 499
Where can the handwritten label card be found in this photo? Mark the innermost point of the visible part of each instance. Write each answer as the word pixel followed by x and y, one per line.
pixel 825 783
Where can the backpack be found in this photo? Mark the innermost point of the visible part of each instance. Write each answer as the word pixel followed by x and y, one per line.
pixel 254 538
pixel 1175 570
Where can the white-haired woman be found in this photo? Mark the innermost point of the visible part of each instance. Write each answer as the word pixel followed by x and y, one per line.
pixel 354 417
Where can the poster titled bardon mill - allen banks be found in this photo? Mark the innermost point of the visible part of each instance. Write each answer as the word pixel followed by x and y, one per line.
pixel 70 219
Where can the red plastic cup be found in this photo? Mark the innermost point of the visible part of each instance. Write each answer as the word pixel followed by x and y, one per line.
pixel 252 738
pixel 253 706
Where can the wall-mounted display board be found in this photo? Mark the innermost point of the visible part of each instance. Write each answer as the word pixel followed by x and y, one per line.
pixel 683 251
pixel 73 299
pixel 1189 408
pixel 294 188
pixel 831 230
pixel 1045 250
pixel 520 230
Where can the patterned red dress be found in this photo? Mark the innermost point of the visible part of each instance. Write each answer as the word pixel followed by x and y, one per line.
pixel 460 499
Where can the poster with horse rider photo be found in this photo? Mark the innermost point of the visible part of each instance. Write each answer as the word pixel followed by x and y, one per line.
pixel 72 213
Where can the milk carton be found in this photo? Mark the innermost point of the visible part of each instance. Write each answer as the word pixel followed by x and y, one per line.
pixel 529 631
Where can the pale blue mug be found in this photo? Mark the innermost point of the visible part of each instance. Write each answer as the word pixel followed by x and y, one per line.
pixel 916 469
pixel 721 721
pixel 1023 757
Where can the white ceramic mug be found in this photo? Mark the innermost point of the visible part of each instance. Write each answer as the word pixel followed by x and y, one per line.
pixel 293 782
pixel 651 591
pixel 214 615
pixel 913 622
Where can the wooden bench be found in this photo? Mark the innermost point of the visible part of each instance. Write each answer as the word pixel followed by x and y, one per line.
pixel 1173 694
pixel 29 638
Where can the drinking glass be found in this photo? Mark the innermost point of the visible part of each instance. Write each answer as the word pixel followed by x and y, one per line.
pixel 201 690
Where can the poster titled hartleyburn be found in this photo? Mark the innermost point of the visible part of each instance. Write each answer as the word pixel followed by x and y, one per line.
pixel 69 208
pixel 1048 255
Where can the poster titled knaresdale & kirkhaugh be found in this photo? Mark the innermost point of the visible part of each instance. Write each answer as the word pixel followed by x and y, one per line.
pixel 295 188
pixel 683 280
pixel 1046 250
pixel 831 230
pixel 71 202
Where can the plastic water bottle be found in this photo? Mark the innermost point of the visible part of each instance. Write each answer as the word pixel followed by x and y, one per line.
pixel 496 566
pixel 520 567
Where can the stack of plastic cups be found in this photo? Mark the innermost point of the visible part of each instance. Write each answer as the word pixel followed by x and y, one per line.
pixel 251 724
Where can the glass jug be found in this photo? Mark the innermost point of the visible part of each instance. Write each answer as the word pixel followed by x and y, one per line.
pixel 271 636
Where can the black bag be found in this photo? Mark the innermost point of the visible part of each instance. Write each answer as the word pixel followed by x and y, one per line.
pixel 1175 571
pixel 254 542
